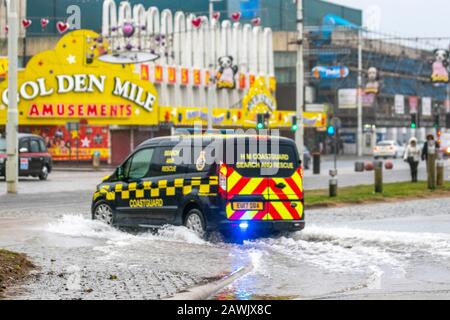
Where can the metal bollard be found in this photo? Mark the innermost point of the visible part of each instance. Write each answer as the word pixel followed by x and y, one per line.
pixel 316 163
pixel 333 187
pixel 96 160
pixel 378 177
pixel 440 173
pixel 333 183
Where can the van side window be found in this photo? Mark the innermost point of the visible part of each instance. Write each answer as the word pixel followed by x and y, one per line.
pixel 138 166
pixel 165 164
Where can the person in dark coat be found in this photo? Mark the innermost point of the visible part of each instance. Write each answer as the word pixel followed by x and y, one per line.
pixel 430 147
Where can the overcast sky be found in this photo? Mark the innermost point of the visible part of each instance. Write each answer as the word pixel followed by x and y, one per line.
pixel 412 18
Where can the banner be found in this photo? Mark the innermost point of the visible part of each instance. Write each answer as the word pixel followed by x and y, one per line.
pixel 399 104
pixel 347 98
pixel 413 105
pixel 426 106
pixel 73 145
pixel 332 72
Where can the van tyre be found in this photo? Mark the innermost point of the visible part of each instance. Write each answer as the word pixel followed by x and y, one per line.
pixel 44 173
pixel 104 213
pixel 195 222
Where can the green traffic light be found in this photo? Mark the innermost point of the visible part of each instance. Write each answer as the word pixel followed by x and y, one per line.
pixel 294 127
pixel 260 126
pixel 413 126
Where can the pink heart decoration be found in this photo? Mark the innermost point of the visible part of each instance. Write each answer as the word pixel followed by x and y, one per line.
pixel 256 21
pixel 197 22
pixel 44 22
pixel 216 15
pixel 236 16
pixel 62 26
pixel 26 23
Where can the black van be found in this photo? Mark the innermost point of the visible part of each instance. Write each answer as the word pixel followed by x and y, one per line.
pixel 228 183
pixel 34 158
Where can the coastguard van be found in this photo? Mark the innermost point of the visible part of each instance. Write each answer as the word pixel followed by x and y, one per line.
pixel 230 183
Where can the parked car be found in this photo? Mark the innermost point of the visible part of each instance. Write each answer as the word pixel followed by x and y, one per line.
pixel 34 159
pixel 388 149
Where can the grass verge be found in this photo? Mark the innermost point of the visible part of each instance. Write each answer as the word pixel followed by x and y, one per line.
pixel 13 268
pixel 365 194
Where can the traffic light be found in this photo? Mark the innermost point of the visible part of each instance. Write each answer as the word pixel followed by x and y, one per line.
pixel 260 123
pixel 294 124
pixel 331 131
pixel 447 121
pixel 413 124
pixel 437 121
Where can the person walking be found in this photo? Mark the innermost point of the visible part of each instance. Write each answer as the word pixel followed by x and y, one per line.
pixel 412 156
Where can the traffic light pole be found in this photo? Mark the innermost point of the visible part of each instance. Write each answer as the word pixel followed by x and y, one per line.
pixel 299 134
pixel 13 121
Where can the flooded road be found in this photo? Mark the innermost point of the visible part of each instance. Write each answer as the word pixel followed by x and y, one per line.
pixel 382 251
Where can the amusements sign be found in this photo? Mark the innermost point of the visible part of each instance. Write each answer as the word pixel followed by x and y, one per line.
pixel 62 85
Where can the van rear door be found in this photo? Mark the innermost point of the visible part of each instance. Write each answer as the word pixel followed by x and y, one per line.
pixel 285 187
pixel 246 188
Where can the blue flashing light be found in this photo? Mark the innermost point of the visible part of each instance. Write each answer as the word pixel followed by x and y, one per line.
pixel 243 226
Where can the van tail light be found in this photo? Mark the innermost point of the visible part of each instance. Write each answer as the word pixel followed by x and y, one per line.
pixel 223 180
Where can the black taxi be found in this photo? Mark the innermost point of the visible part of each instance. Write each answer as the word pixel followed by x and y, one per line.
pixel 34 158
pixel 229 183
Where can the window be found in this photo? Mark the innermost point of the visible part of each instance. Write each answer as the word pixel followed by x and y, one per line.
pixel 138 166
pixel 42 146
pixel 24 144
pixel 34 146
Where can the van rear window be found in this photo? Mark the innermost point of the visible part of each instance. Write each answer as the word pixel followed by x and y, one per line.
pixel 280 162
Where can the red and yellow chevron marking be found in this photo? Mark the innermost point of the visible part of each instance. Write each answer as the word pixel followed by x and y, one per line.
pixel 281 204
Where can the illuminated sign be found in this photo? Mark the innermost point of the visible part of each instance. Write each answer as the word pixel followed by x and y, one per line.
pixel 331 72
pixel 61 85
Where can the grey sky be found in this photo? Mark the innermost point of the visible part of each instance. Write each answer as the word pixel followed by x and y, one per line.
pixel 417 18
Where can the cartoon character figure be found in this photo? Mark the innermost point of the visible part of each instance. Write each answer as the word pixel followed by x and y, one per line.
pixel 373 85
pixel 226 74
pixel 440 66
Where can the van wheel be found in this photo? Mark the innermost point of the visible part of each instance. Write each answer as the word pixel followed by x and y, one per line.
pixel 44 173
pixel 104 213
pixel 195 222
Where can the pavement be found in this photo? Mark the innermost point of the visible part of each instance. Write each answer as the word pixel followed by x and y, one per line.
pixel 381 251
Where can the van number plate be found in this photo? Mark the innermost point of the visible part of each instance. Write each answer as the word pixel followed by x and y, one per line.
pixel 255 206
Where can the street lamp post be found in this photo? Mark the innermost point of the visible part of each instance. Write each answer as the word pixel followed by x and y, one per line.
pixel 299 134
pixel 13 121
pixel 210 88
pixel 359 97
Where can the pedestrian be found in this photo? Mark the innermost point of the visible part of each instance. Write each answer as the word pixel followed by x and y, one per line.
pixel 429 154
pixel 412 156
pixel 430 147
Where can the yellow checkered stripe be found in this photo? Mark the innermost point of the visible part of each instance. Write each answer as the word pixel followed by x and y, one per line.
pixel 161 188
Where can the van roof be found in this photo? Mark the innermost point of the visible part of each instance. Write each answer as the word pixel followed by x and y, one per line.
pixel 173 140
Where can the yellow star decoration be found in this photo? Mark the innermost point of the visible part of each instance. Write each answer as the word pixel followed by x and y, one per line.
pixel 74 134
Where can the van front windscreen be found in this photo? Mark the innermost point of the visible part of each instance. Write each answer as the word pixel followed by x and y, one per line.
pixel 272 161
